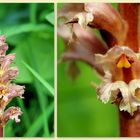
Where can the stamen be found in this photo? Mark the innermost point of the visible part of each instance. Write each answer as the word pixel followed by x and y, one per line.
pixel 123 62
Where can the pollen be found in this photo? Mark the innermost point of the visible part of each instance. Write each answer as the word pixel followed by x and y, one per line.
pixel 123 62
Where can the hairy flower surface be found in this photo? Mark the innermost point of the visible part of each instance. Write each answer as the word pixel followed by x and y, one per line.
pixel 8 90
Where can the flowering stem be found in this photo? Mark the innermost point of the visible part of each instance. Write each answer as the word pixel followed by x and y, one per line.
pixel 1 131
pixel 130 125
pixel 132 38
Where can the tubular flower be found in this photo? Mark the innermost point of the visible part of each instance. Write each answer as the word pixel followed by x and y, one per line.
pixel 8 90
pixel 122 78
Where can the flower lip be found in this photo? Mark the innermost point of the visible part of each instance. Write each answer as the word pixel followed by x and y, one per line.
pixel 130 94
pixel 115 53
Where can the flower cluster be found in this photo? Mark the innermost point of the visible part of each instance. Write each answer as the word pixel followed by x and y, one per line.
pixel 116 58
pixel 8 90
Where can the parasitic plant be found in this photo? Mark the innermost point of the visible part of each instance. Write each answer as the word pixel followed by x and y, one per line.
pixel 8 90
pixel 116 57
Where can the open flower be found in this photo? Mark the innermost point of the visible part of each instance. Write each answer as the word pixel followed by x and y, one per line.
pixel 122 79
pixel 8 90
pixel 11 113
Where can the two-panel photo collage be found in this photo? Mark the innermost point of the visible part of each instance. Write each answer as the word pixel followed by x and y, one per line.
pixel 69 70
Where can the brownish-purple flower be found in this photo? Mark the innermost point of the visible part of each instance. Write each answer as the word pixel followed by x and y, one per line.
pixel 8 90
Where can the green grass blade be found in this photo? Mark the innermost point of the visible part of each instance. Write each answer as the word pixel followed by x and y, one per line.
pixel 46 85
pixel 25 28
pixel 25 114
pixel 38 123
pixel 50 17
pixel 33 11
pixel 42 102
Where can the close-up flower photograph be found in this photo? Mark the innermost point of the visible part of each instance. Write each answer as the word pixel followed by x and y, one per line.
pixel 26 70
pixel 99 60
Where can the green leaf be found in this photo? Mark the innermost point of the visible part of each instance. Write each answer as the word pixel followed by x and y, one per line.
pixel 39 49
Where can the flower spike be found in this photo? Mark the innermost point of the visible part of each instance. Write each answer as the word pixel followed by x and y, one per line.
pixel 8 90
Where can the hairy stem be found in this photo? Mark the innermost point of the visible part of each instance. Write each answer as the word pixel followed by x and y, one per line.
pixel 130 125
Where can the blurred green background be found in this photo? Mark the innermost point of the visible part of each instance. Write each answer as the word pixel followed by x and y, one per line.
pixel 29 31
pixel 79 112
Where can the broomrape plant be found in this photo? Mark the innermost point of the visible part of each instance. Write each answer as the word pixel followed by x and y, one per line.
pixel 116 57
pixel 8 90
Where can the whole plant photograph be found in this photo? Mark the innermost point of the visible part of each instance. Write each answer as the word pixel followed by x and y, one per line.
pixel 26 70
pixel 98 70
